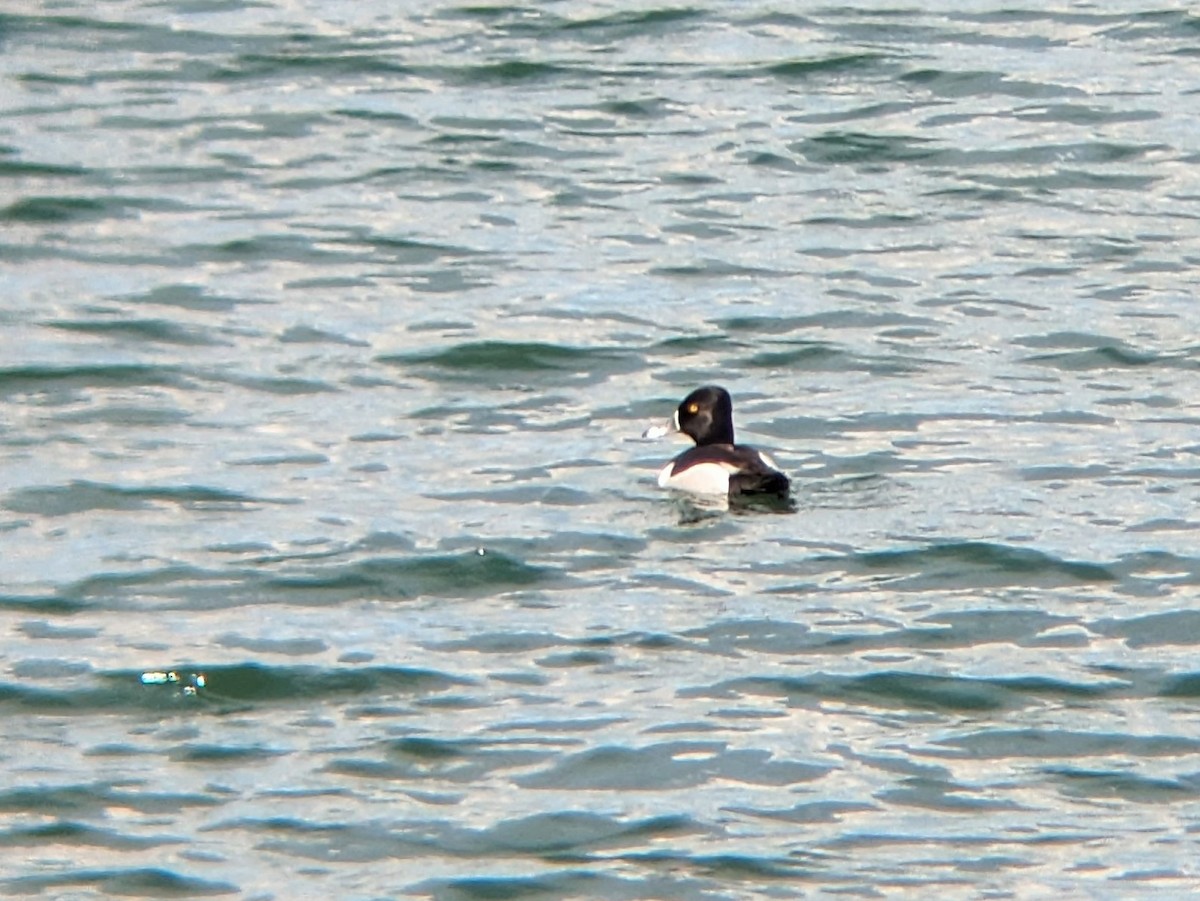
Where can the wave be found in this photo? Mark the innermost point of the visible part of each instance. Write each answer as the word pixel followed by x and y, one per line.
pixel 219 688
pixel 79 496
pixel 467 574
pixel 964 565
pixel 129 881
pixel 44 379
pixel 899 690
pixel 557 364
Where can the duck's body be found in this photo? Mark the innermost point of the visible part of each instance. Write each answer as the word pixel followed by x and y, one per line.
pixel 727 469
pixel 717 465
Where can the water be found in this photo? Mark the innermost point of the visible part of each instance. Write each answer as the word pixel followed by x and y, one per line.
pixel 328 335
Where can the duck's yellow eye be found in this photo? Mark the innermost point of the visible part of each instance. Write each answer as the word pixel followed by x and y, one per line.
pixel 693 408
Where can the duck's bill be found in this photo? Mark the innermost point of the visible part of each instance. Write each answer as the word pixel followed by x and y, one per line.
pixel 663 428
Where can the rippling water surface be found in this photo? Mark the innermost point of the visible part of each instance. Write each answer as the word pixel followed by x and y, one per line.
pixel 332 563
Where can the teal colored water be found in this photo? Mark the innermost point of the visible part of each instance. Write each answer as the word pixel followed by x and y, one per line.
pixel 332 564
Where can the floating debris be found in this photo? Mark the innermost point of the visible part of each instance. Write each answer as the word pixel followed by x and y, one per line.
pixel 192 682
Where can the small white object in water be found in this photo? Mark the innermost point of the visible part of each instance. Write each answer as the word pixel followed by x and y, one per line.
pixel 655 431
pixel 196 681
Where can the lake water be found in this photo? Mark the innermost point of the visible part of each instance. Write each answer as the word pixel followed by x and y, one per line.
pixel 332 563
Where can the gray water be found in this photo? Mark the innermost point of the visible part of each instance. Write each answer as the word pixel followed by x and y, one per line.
pixel 328 334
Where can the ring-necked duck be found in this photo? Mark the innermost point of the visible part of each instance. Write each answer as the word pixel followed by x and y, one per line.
pixel 716 465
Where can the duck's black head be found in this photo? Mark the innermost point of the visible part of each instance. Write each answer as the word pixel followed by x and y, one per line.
pixel 706 416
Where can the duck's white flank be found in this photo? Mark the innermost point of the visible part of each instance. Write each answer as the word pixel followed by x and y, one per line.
pixel 703 478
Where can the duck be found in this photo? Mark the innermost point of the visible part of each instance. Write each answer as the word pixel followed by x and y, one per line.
pixel 717 465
